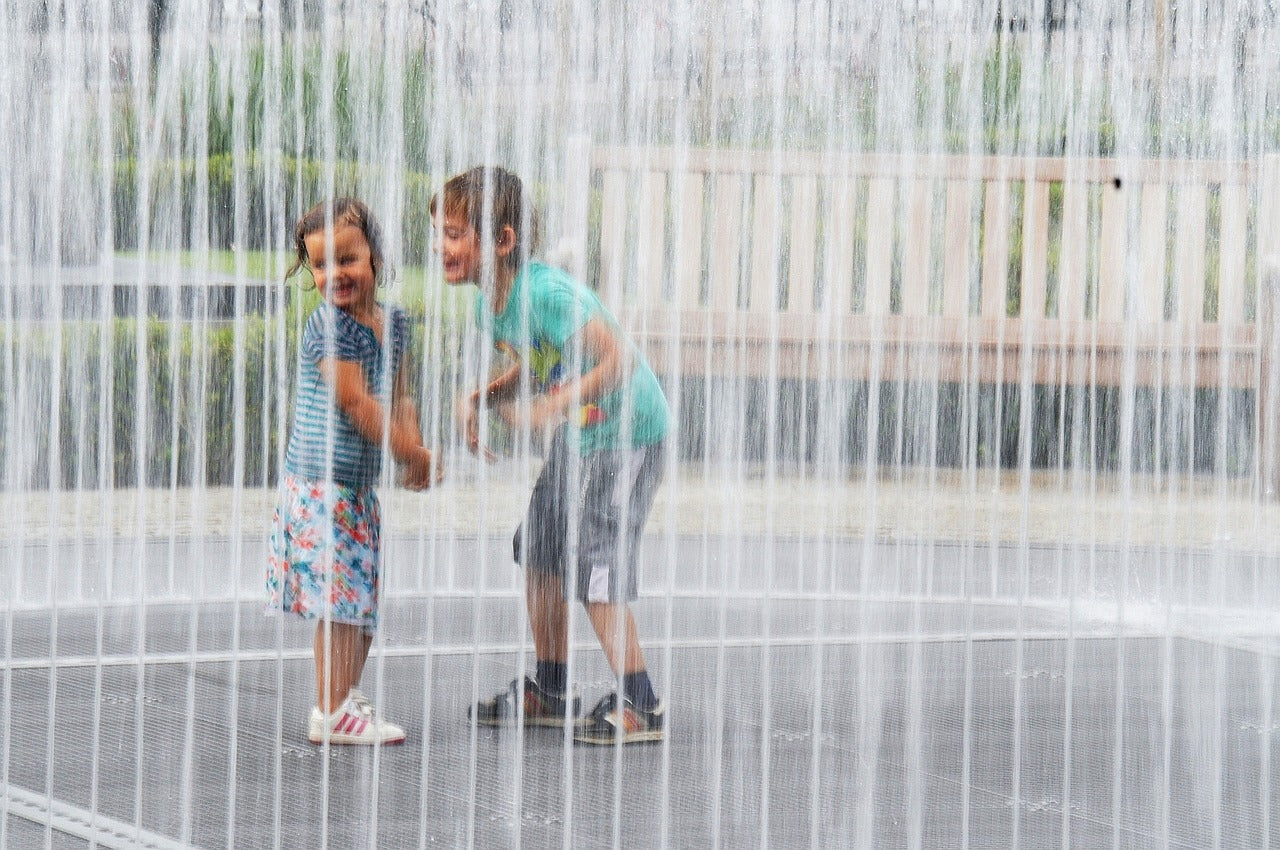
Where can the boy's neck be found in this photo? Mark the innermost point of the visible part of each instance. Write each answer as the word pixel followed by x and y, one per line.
pixel 504 279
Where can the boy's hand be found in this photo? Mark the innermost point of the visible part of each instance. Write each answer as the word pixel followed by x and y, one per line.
pixel 421 471
pixel 544 411
pixel 466 415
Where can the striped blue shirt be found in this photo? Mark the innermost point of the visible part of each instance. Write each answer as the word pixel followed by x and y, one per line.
pixel 322 434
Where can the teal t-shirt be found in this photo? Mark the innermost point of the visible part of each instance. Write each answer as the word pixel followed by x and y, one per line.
pixel 539 327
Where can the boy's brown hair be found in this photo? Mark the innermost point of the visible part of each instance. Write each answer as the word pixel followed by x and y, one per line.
pixel 465 196
pixel 342 211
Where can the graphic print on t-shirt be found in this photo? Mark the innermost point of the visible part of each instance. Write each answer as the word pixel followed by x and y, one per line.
pixel 547 374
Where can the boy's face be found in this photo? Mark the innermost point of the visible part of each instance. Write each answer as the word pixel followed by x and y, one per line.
pixel 458 245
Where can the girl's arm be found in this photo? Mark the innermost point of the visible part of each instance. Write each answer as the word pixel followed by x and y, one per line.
pixel 420 471
pixel 368 415
pixel 403 410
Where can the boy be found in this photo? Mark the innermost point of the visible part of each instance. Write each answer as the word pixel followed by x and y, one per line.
pixel 574 372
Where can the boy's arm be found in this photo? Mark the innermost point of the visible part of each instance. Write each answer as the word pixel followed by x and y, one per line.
pixel 496 391
pixel 467 409
pixel 500 388
pixel 601 343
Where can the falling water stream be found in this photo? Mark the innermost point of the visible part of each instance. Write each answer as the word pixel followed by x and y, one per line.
pixel 893 598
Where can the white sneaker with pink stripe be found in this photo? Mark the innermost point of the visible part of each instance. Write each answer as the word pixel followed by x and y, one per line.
pixel 353 723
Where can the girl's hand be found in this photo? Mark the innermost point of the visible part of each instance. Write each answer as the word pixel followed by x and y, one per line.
pixel 421 471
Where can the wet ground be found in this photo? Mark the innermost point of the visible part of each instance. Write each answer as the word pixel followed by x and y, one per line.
pixel 936 662
pixel 890 696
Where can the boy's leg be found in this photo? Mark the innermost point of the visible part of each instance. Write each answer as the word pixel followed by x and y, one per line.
pixel 548 615
pixel 632 714
pixel 619 495
pixel 620 490
pixel 542 699
pixel 616 629
pixel 541 546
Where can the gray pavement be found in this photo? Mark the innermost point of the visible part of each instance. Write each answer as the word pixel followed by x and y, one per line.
pixel 935 679
pixel 985 506
pixel 1137 742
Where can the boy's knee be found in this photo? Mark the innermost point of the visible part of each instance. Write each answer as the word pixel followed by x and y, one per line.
pixel 540 576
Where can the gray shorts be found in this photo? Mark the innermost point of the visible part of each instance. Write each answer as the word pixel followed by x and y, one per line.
pixel 585 518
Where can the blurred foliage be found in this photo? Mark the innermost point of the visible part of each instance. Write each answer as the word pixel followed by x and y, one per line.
pixel 166 403
pixel 202 195
pixel 241 191
pixel 993 101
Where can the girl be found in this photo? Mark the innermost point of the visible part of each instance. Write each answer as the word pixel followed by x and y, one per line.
pixel 324 559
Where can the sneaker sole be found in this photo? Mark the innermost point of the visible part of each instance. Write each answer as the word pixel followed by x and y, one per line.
pixel 356 741
pixel 634 738
pixel 548 722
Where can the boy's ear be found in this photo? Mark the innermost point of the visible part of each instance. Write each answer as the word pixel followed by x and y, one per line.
pixel 506 241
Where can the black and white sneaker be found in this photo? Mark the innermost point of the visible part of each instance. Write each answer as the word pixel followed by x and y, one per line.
pixel 619 721
pixel 539 707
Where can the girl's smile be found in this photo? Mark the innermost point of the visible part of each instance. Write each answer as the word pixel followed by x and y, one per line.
pixel 351 283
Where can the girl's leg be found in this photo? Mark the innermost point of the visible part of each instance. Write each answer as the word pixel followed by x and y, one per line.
pixel 338 671
pixel 361 657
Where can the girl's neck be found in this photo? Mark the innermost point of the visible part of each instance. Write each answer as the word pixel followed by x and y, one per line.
pixel 369 315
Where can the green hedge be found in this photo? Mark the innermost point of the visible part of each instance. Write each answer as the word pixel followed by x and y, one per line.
pixel 275 193
pixel 169 409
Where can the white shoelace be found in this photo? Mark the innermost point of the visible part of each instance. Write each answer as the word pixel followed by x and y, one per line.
pixel 357 698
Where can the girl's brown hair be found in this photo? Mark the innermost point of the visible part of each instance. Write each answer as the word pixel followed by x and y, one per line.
pixel 342 211
pixel 465 196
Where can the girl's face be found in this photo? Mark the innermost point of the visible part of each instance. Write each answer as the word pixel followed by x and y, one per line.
pixel 458 245
pixel 350 284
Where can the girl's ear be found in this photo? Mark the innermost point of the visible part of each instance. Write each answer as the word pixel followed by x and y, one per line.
pixel 506 241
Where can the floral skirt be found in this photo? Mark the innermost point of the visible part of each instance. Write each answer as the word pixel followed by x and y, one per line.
pixel 324 552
